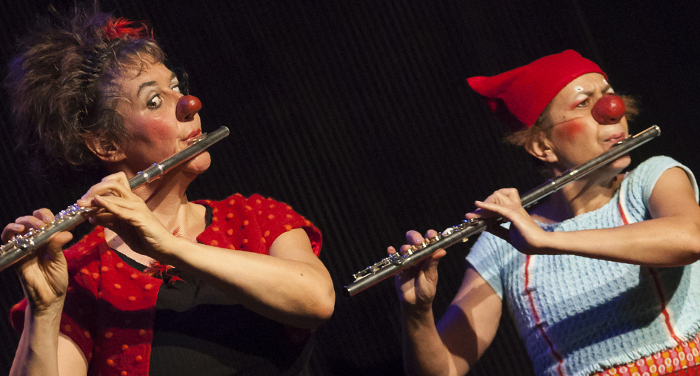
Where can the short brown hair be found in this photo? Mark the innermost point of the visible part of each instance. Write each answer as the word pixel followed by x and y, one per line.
pixel 63 84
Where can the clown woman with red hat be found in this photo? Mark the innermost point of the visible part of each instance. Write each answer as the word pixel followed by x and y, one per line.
pixel 600 278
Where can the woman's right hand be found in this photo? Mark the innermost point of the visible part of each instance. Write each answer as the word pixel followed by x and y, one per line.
pixel 44 274
pixel 417 285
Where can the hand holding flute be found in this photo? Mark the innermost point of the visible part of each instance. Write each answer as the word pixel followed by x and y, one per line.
pixel 111 204
pixel 524 234
pixel 44 276
pixel 472 226
pixel 417 286
pixel 26 242
pixel 125 214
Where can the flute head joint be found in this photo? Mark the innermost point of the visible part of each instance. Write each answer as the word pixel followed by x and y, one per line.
pixel 197 139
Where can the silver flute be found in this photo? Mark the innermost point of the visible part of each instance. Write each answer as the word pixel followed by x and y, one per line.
pixel 23 245
pixel 397 262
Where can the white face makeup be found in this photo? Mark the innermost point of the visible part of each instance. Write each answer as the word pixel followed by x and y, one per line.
pixel 583 96
pixel 150 119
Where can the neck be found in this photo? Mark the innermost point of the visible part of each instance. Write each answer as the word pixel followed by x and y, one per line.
pixel 579 197
pixel 166 199
pixel 164 196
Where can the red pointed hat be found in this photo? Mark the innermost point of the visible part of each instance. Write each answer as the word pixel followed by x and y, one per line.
pixel 526 91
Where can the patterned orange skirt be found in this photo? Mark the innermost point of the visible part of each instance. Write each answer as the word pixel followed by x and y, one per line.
pixel 683 360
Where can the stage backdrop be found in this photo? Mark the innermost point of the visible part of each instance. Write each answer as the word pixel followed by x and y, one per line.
pixel 357 114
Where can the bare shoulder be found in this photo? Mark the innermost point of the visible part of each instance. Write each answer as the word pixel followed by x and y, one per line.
pixel 294 244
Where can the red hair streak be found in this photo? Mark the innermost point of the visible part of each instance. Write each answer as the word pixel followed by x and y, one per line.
pixel 121 27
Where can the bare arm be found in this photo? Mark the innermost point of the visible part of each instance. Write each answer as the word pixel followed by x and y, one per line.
pixel 291 285
pixel 457 342
pixel 460 338
pixel 42 350
pixel 670 238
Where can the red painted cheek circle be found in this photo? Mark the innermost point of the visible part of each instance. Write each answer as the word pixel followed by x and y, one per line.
pixel 570 130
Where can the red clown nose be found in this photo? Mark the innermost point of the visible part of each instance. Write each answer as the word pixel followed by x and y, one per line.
pixel 187 107
pixel 608 110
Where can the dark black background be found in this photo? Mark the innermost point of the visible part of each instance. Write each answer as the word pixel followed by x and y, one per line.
pixel 357 113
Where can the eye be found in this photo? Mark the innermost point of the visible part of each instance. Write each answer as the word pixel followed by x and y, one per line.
pixel 176 86
pixel 154 102
pixel 583 103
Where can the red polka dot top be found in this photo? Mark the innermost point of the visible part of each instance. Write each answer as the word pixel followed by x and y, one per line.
pixel 110 306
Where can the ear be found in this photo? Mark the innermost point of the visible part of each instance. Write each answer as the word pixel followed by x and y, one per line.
pixel 107 151
pixel 541 148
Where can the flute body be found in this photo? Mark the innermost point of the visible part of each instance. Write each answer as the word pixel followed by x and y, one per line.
pixel 397 262
pixel 21 246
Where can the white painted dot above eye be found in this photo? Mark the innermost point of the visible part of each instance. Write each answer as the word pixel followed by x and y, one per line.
pixel 578 88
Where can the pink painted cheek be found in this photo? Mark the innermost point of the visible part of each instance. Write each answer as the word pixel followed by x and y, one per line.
pixel 571 130
pixel 155 129
pixel 162 131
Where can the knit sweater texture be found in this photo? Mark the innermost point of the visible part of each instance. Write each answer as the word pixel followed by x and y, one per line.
pixel 596 314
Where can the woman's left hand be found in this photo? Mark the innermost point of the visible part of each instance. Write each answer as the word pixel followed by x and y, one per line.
pixel 524 234
pixel 125 213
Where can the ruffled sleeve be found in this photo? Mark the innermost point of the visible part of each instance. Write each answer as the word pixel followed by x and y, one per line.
pixel 252 224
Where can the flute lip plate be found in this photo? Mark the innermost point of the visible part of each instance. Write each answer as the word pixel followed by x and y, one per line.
pixel 196 139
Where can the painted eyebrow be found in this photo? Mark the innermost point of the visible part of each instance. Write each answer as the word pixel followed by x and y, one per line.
pixel 152 83
pixel 143 85
pixel 590 92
